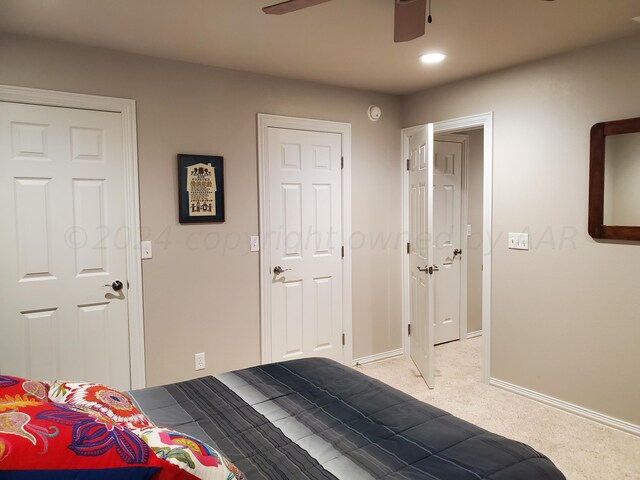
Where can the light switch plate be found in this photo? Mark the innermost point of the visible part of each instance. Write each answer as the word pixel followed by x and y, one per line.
pixel 146 249
pixel 469 230
pixel 519 241
pixel 254 242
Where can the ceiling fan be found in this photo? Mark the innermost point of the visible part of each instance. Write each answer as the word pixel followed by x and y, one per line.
pixel 408 18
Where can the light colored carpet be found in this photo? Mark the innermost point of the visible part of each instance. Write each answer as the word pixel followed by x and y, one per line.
pixel 582 449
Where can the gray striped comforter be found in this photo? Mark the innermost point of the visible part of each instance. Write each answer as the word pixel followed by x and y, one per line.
pixel 316 419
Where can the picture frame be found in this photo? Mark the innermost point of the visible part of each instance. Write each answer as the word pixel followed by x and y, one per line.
pixel 201 188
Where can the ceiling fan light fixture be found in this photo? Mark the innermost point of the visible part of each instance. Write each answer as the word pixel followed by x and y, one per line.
pixel 431 58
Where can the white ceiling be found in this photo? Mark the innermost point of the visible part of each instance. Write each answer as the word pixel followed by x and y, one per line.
pixel 343 42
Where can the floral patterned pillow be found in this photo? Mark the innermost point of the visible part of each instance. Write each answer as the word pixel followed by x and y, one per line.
pixel 46 440
pixel 60 430
pixel 115 405
pixel 10 387
pixel 190 454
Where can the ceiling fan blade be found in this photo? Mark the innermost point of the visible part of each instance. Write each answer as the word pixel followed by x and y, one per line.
pixel 291 6
pixel 409 20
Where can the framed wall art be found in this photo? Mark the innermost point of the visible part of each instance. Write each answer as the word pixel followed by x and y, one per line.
pixel 201 188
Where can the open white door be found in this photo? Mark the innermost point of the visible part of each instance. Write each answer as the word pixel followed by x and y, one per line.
pixel 421 252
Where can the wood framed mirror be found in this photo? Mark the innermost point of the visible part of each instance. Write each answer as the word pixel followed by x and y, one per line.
pixel 614 180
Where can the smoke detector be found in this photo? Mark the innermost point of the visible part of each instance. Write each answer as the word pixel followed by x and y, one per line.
pixel 374 112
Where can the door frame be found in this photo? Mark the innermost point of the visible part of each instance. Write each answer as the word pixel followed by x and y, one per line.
pixel 127 109
pixel 266 121
pixel 484 121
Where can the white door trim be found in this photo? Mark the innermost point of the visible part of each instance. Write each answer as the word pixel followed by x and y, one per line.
pixel 485 121
pixel 127 109
pixel 266 121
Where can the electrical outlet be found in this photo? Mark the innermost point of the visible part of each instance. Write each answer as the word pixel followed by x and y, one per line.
pixel 519 241
pixel 200 363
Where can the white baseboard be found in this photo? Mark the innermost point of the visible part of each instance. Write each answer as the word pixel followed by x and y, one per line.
pixel 477 333
pixel 568 407
pixel 378 356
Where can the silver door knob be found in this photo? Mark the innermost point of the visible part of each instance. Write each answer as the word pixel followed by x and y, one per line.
pixel 456 252
pixel 277 270
pixel 429 269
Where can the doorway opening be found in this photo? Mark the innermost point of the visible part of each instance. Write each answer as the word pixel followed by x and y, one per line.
pixel 460 164
pixel 458 180
pixel 458 212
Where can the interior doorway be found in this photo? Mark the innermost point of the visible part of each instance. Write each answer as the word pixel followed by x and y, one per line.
pixel 465 234
pixel 305 217
pixel 77 279
pixel 458 212
pixel 450 200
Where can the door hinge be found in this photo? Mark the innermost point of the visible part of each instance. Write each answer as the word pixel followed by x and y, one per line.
pixel 344 341
pixel 409 329
pixel 343 252
pixel 408 247
pixel 128 286
pixel 341 162
pixel 408 164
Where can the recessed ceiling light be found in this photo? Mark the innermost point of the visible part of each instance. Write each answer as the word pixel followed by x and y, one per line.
pixel 433 58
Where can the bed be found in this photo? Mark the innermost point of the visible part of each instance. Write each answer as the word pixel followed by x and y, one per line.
pixel 317 419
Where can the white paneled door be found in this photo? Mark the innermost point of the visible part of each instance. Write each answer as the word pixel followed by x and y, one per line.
pixel 305 238
pixel 447 201
pixel 421 267
pixel 63 245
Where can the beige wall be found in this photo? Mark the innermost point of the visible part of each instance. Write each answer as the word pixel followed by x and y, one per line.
pixel 475 177
pixel 565 314
pixel 187 108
